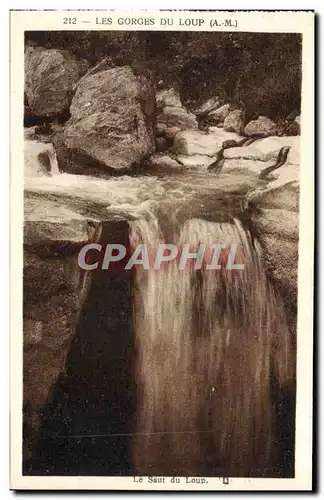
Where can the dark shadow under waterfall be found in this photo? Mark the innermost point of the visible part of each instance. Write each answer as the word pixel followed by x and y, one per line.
pixel 86 427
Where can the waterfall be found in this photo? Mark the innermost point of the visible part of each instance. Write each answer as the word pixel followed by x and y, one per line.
pixel 210 347
pixel 40 159
pixel 214 354
pixel 53 161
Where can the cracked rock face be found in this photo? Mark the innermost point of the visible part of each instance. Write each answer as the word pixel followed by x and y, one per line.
pixel 274 212
pixel 50 76
pixel 112 115
pixel 55 288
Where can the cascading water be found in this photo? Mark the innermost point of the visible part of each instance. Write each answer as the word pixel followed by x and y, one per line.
pixel 40 159
pixel 209 344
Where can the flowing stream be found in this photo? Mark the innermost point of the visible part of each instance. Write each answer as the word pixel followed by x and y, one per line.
pixel 209 344
pixel 212 347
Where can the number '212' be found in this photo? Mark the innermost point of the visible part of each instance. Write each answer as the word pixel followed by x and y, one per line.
pixel 69 20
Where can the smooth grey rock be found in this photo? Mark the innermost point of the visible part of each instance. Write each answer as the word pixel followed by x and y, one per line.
pixel 195 142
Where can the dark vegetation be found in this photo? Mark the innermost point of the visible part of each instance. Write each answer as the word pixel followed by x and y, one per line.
pixel 259 72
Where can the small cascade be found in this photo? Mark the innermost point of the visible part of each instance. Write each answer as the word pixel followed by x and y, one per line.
pixel 40 159
pixel 210 344
pixel 53 161
pixel 214 356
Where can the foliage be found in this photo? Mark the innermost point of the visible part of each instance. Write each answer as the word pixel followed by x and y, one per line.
pixel 260 72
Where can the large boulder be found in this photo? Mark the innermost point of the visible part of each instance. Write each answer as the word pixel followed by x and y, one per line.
pixel 251 160
pixel 52 289
pixel 273 207
pixel 262 126
pixel 168 97
pixel 278 220
pixel 55 289
pixel 195 142
pixel 103 65
pixel 207 107
pixel 112 117
pixel 266 149
pixel 282 193
pixel 50 76
pixel 196 149
pixel 274 212
pixel 172 120
pixel 218 115
pixel 234 121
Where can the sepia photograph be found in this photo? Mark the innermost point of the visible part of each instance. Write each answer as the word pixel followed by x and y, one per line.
pixel 161 217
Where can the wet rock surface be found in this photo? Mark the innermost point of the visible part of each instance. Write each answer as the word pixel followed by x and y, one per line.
pixel 55 288
pixel 200 143
pixel 275 217
pixel 112 128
